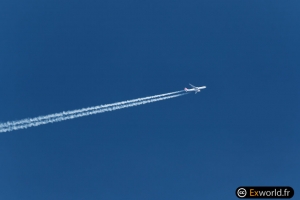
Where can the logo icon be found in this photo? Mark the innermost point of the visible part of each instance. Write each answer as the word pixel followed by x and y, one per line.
pixel 241 192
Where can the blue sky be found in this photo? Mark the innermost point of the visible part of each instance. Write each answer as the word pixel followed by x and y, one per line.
pixel 64 55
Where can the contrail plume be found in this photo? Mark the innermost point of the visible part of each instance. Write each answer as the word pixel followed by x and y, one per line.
pixel 64 113
pixel 10 126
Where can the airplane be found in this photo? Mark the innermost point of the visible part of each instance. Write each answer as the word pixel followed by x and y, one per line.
pixel 196 89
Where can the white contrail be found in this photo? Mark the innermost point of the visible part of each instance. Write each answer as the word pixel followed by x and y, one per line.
pixel 64 113
pixel 91 111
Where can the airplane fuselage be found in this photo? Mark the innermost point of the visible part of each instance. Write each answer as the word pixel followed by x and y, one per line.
pixel 195 89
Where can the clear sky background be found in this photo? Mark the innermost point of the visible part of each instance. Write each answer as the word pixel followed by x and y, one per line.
pixel 63 55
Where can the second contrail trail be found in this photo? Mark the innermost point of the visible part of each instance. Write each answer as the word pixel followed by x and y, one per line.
pixel 26 123
pixel 64 113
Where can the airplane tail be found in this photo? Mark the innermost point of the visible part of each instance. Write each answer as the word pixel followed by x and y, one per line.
pixel 185 89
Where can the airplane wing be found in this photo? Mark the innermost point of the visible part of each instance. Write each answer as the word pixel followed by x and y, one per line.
pixel 192 86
